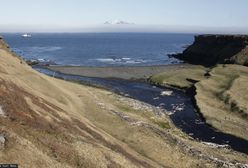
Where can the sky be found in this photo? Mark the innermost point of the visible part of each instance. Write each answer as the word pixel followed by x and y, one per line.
pixel 147 15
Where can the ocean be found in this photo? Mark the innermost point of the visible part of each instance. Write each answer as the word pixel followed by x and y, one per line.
pixel 100 49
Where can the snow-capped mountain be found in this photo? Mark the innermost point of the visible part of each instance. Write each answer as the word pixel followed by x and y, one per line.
pixel 117 22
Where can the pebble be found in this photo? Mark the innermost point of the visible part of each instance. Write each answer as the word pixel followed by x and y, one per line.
pixel 2 114
pixel 166 93
pixel 2 141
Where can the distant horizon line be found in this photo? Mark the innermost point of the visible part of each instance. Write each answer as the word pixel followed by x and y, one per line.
pixel 68 32
pixel 178 29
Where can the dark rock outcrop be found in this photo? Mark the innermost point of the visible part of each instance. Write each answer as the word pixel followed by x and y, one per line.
pixel 3 45
pixel 209 50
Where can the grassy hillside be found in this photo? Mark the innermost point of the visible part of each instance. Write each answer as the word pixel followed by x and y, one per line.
pixel 47 122
pixel 223 99
pixel 182 77
pixel 221 94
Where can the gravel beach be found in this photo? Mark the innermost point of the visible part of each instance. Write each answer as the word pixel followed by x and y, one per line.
pixel 131 72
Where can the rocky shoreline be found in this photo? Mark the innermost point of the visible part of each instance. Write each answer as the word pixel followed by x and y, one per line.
pixel 209 50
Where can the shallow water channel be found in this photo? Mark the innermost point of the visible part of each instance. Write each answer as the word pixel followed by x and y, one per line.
pixel 178 104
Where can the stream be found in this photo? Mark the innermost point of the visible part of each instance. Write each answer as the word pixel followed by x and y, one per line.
pixel 176 103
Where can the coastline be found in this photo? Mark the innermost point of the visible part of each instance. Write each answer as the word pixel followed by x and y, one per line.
pixel 185 77
pixel 126 72
pixel 213 85
pixel 58 120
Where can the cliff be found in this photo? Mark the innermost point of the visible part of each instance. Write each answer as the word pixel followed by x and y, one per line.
pixel 209 50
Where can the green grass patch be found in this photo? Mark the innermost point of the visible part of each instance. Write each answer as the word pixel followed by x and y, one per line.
pixel 125 108
pixel 162 124
pixel 181 77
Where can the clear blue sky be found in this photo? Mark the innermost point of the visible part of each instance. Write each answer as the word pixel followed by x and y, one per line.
pixel 80 13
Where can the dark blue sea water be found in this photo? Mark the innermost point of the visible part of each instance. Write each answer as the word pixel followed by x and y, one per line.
pixel 100 49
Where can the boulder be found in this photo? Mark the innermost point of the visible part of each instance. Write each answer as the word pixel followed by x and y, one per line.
pixel 2 141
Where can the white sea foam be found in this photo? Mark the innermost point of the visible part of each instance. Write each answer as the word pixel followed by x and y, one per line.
pixel 41 59
pixel 105 59
pixel 37 49
pixel 136 61
pixel 124 60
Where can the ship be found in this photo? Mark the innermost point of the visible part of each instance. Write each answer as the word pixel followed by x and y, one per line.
pixel 26 35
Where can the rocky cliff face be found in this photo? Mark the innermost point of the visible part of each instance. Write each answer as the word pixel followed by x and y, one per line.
pixel 212 49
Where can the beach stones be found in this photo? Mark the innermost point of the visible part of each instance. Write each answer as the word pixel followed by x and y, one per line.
pixel 2 114
pixel 2 141
pixel 166 93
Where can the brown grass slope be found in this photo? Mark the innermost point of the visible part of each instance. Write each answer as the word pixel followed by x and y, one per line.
pixel 182 77
pixel 46 122
pixel 221 94
pixel 222 99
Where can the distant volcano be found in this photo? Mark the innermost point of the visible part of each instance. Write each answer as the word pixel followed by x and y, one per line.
pixel 118 22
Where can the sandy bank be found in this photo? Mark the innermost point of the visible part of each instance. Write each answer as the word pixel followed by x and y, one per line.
pixel 142 72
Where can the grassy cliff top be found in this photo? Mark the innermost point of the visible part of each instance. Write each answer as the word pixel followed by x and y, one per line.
pixel 209 50
pixel 183 77
pixel 221 94
pixel 222 99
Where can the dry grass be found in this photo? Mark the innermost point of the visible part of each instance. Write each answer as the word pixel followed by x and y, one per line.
pixel 140 72
pixel 45 123
pixel 54 123
pixel 181 78
pixel 221 94
pixel 222 99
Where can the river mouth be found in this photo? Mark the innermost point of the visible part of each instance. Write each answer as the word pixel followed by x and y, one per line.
pixel 176 103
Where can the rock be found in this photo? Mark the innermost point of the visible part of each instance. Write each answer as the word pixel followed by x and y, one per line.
pixel 42 62
pixel 209 50
pixel 32 62
pixel 166 93
pixel 2 141
pixel 2 114
pixel 178 107
pixel 101 105
pixel 213 145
